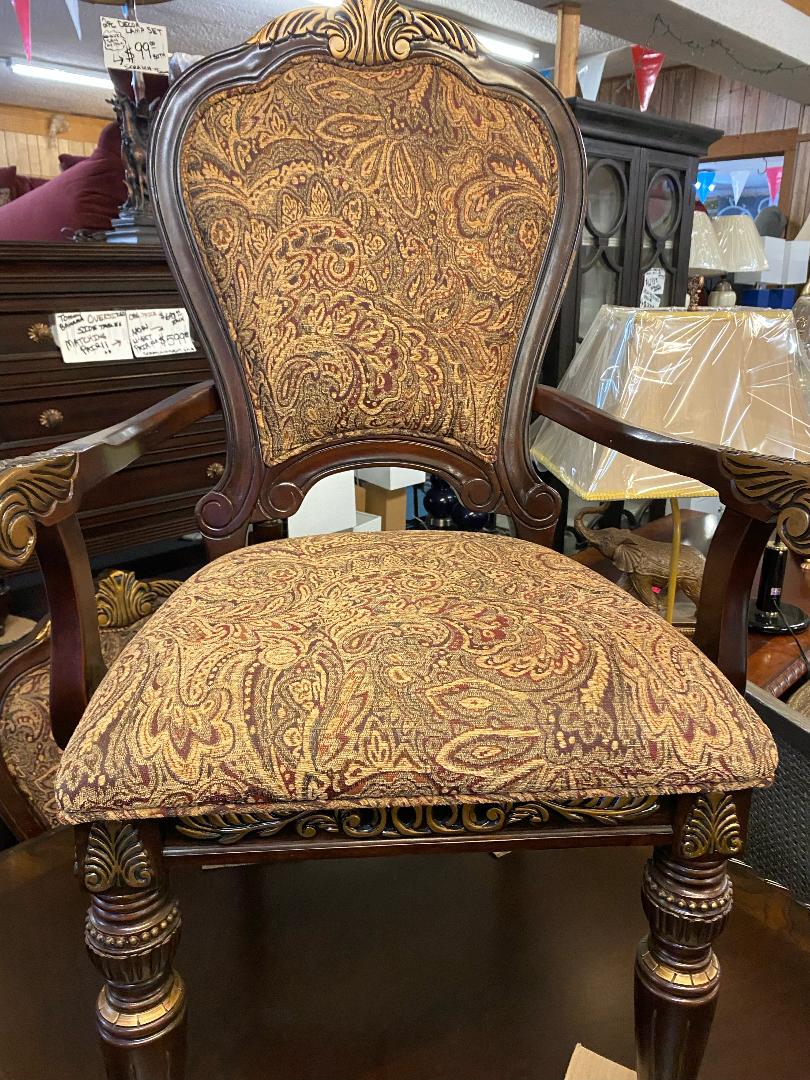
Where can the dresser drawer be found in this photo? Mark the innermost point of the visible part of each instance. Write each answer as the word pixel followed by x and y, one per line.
pixel 157 480
pixel 63 416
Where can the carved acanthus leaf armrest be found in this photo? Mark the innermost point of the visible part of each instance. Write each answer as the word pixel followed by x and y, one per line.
pixel 47 487
pixel 781 486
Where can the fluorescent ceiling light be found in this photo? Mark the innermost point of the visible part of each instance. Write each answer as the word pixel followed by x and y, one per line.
pixel 60 75
pixel 507 49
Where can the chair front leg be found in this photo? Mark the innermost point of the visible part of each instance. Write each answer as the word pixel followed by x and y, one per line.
pixel 132 932
pixel 677 975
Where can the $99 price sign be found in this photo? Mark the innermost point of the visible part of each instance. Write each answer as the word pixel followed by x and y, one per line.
pixel 134 46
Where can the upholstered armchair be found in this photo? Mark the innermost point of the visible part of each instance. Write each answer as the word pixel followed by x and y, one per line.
pixel 372 223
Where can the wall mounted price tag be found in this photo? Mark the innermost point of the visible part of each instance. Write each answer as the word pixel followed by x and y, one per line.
pixel 135 46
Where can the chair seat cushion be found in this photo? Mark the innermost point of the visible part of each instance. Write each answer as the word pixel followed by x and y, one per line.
pixel 403 669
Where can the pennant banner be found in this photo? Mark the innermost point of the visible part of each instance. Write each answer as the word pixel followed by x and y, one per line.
pixel 589 73
pixel 73 8
pixel 738 179
pixel 705 181
pixel 22 10
pixel 646 64
pixel 774 176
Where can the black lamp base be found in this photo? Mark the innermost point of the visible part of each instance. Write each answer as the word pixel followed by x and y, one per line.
pixel 772 622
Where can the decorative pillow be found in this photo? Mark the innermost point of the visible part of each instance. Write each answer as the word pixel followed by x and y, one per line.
pixel 17 185
pixel 85 196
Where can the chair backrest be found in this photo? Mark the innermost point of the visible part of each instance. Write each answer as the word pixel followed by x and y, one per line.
pixel 372 223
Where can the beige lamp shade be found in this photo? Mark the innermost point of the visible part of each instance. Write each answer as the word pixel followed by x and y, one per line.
pixel 725 376
pixel 740 244
pixel 804 231
pixel 704 254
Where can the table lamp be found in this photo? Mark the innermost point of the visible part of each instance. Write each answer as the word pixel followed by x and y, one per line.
pixel 704 256
pixel 726 376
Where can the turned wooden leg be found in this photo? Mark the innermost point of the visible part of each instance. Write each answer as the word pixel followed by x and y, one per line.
pixel 677 974
pixel 132 932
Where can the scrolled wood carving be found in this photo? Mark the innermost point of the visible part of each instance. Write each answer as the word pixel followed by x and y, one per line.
pixel 115 857
pixel 368 31
pixel 781 485
pixel 30 488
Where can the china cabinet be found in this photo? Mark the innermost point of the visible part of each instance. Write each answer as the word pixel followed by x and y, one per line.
pixel 641 197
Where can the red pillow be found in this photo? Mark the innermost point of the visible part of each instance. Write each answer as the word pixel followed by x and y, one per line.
pixel 18 185
pixel 85 196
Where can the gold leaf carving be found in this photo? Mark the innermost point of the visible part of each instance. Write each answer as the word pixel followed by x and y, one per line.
pixel 368 31
pixel 397 822
pixel 30 488
pixel 121 599
pixel 712 828
pixel 781 485
pixel 115 858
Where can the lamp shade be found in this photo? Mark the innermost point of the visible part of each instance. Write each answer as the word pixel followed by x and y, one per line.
pixel 704 253
pixel 740 243
pixel 804 231
pixel 725 376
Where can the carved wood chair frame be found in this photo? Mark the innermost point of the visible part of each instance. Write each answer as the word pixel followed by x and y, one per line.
pixel 134 922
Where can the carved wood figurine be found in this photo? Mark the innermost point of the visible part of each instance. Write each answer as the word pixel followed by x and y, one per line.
pixel 646 563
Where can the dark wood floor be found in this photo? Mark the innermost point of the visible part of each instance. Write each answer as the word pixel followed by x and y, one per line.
pixel 432 968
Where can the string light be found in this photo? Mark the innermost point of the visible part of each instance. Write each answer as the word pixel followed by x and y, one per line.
pixel 698 48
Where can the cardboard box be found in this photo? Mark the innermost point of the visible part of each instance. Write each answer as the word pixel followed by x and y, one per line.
pixel 585 1065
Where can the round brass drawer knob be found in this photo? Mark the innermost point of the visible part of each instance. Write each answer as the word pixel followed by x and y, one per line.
pixel 215 470
pixel 40 331
pixel 51 418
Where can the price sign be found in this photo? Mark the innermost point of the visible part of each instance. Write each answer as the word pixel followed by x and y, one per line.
pixel 86 336
pixel 160 332
pixel 134 46
pixel 652 291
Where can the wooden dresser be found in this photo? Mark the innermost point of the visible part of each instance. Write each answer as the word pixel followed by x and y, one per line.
pixel 44 401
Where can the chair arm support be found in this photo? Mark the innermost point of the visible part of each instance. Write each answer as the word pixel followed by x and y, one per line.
pixel 47 487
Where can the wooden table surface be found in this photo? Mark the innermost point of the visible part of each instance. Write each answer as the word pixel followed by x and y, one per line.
pixel 774 661
pixel 443 967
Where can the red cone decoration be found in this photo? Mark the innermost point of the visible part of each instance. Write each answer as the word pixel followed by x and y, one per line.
pixel 22 10
pixel 646 64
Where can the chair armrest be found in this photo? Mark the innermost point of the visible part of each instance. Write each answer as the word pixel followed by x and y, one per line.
pixel 46 490
pixel 48 487
pixel 768 489
pixel 759 493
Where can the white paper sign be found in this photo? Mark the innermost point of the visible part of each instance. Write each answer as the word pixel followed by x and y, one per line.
pixel 652 292
pixel 134 46
pixel 160 332
pixel 85 336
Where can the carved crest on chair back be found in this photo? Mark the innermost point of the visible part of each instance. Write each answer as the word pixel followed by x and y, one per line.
pixel 364 213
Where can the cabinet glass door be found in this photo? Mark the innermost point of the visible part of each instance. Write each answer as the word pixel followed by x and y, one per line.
pixel 602 254
pixel 660 240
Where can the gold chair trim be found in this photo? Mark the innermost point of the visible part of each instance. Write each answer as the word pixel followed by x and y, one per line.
pixel 712 827
pixel 30 488
pixel 782 485
pixel 368 31
pixel 400 822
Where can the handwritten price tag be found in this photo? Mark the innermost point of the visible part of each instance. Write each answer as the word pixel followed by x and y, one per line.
pixel 86 336
pixel 160 332
pixel 652 292
pixel 134 46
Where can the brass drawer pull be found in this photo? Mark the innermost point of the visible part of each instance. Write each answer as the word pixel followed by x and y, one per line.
pixel 40 331
pixel 215 470
pixel 51 418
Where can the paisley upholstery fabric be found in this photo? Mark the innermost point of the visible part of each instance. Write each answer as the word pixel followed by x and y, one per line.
pixel 372 236
pixel 402 668
pixel 26 744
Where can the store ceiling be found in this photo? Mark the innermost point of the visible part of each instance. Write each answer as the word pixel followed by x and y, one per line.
pixel 764 34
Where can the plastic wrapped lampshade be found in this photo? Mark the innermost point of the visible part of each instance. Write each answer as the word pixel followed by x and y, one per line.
pixel 732 377
pixel 704 254
pixel 740 244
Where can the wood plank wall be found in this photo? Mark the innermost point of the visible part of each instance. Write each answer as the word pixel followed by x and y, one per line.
pixel 26 140
pixel 754 122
